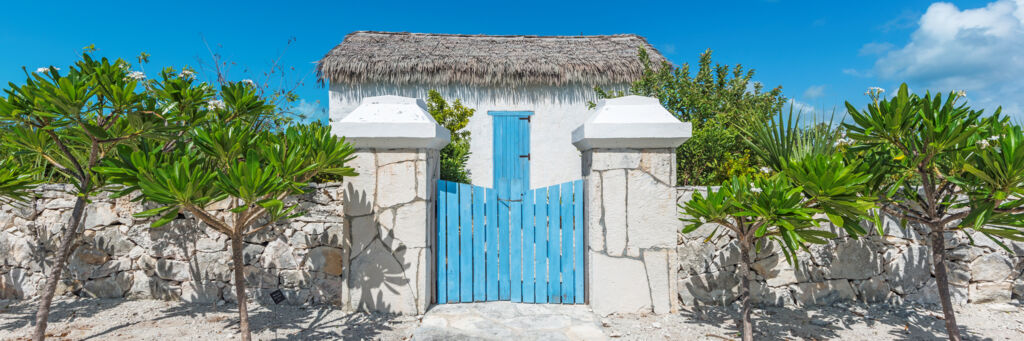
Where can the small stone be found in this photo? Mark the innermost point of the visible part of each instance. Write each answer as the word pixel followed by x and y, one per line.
pixel 819 322
pixel 656 325
pixel 326 259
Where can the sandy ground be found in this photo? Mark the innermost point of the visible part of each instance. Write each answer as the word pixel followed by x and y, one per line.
pixel 115 319
pixel 96 319
pixel 839 322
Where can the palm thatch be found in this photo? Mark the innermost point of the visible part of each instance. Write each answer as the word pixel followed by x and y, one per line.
pixel 441 59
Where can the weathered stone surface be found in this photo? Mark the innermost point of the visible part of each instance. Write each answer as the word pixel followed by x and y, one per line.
pixel 251 253
pixel 618 285
pixel 606 159
pixel 658 279
pixel 991 267
pixel 279 255
pixel 325 259
pixel 855 259
pixel 594 209
pixel 294 278
pixel 377 282
pixel 360 191
pixel 172 270
pixel 200 292
pixel 112 241
pixel 364 230
pixel 397 184
pixel 650 211
pixel 999 292
pixel 91 255
pixel 410 224
pixel 873 290
pixel 99 214
pixel 908 270
pixel 719 288
pixel 613 197
pixel 108 287
pixel 826 292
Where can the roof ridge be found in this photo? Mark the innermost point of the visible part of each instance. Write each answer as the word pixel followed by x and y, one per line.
pixel 631 35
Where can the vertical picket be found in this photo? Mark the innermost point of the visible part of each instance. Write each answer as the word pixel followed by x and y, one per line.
pixel 504 292
pixel 554 244
pixel 491 239
pixel 453 240
pixel 515 250
pixel 478 244
pixel 567 277
pixel 442 272
pixel 528 263
pixel 541 243
pixel 577 216
pixel 465 243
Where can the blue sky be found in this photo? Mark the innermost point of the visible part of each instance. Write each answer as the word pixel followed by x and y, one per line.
pixel 822 52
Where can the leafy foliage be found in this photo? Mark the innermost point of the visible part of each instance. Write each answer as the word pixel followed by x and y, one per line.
pixel 454 117
pixel 944 166
pixel 807 185
pixel 226 160
pixel 717 99
pixel 16 180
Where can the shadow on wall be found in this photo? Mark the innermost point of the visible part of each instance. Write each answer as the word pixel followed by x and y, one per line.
pixel 377 277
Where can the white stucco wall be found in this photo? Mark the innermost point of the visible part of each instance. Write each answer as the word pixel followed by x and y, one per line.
pixel 557 111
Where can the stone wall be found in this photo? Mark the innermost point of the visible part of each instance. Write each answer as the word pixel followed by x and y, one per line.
pixel 362 245
pixel 893 268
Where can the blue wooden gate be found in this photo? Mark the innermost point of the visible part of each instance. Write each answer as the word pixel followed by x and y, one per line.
pixel 525 249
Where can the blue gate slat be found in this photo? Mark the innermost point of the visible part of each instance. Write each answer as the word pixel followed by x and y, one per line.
pixel 491 239
pixel 540 236
pixel 504 292
pixel 554 256
pixel 528 235
pixel 466 242
pixel 515 250
pixel 453 240
pixel 567 276
pixel 577 218
pixel 479 293
pixel 442 269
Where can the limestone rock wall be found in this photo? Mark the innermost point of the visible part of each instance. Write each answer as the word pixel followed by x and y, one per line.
pixel 362 244
pixel 892 268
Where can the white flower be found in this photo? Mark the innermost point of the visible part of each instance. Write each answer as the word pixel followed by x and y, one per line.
pixel 44 69
pixel 994 138
pixel 874 90
pixel 125 66
pixel 186 73
pixel 766 170
pixel 136 75
pixel 961 93
pixel 249 81
pixel 756 190
pixel 842 141
pixel 982 144
pixel 703 220
pixel 215 104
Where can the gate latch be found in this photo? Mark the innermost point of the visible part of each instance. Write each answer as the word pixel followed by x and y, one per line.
pixel 527 156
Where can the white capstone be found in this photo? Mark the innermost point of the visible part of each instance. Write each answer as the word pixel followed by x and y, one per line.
pixel 391 122
pixel 631 122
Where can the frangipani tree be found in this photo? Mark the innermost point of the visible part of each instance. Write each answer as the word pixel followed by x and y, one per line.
pixel 806 187
pixel 938 163
pixel 254 171
pixel 72 120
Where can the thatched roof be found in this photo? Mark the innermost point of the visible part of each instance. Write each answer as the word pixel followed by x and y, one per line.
pixel 439 59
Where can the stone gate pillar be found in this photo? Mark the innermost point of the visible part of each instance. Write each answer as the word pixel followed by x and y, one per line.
pixel 629 147
pixel 389 207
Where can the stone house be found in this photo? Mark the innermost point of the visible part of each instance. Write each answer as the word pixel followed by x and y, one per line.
pixel 548 79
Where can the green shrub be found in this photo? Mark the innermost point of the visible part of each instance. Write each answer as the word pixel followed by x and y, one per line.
pixel 453 117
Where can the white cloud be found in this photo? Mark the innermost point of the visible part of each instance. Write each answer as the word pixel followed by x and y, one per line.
pixel 857 73
pixel 311 111
pixel 980 50
pixel 814 91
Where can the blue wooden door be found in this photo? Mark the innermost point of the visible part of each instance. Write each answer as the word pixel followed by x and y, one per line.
pixel 511 153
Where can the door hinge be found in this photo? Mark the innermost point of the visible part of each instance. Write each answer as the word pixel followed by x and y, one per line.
pixel 527 156
pixel 527 118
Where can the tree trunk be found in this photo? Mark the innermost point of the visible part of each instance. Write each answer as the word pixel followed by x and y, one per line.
pixel 938 242
pixel 745 326
pixel 70 235
pixel 243 312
